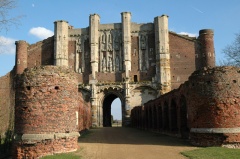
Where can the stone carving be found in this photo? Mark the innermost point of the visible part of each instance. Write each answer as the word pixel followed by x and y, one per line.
pixel 143 61
pixel 110 42
pixel 78 45
pixel 110 64
pixel 143 42
pixel 134 52
pixel 151 51
pixel 117 63
pixel 86 54
pixel 104 64
pixel 117 40
pixel 103 42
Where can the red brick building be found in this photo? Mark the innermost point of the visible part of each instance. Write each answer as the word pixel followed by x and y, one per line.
pixel 92 66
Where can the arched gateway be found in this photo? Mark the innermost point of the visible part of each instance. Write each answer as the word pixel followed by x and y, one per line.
pixel 105 115
pixel 106 96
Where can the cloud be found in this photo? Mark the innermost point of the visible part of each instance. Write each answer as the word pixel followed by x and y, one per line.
pixel 7 45
pixel 189 34
pixel 33 5
pixel 41 32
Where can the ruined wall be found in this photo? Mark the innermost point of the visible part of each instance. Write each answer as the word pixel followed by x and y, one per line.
pixel 45 112
pixel 182 54
pixel 41 53
pixel 144 75
pixel 204 109
pixel 7 101
pixel 214 106
pixel 84 113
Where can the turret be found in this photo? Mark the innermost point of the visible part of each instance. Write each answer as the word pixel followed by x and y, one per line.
pixel 46 120
pixel 126 41
pixel 61 43
pixel 21 56
pixel 94 20
pixel 206 42
pixel 126 37
pixel 163 71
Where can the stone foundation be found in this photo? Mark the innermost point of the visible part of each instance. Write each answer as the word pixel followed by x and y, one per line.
pixel 38 149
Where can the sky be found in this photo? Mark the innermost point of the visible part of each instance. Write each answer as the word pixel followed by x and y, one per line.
pixel 185 16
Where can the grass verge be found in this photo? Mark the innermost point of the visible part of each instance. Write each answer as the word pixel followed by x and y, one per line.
pixel 212 153
pixel 63 156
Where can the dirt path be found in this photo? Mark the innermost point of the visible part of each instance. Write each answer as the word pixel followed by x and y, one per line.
pixel 129 143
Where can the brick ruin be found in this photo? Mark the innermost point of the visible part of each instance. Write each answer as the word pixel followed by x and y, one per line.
pixel 204 109
pixel 72 78
pixel 47 112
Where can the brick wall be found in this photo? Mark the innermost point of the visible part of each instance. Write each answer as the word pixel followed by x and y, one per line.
pixel 41 53
pixel 85 114
pixel 46 111
pixel 204 109
pixel 182 58
pixel 7 101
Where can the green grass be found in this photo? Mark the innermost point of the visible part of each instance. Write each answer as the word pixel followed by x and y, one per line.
pixel 213 153
pixel 63 156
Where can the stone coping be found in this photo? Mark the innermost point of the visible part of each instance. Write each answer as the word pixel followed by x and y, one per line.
pixel 39 137
pixel 215 130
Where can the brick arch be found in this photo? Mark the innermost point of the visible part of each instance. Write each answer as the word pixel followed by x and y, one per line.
pixel 160 119
pixel 165 116
pixel 155 114
pixel 173 116
pixel 184 129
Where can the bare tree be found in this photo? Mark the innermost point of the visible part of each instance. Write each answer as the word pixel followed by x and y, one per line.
pixel 232 53
pixel 5 19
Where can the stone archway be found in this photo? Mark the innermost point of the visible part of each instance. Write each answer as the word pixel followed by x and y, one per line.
pixel 106 97
pixel 107 102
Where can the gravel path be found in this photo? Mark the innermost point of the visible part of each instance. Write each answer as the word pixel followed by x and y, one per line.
pixel 129 143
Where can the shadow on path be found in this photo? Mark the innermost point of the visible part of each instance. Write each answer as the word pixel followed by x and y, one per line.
pixel 122 135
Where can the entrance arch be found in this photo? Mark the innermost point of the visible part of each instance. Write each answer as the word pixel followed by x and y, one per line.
pixel 107 100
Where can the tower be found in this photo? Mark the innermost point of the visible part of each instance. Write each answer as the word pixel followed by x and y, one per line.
pixel 126 41
pixel 21 56
pixel 94 20
pixel 207 47
pixel 45 112
pixel 163 72
pixel 61 43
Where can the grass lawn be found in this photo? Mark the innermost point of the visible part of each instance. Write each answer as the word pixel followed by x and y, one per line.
pixel 213 153
pixel 63 156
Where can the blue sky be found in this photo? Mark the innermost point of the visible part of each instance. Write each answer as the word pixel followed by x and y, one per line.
pixel 185 16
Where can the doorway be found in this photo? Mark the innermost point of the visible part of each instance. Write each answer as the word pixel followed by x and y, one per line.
pixel 111 110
